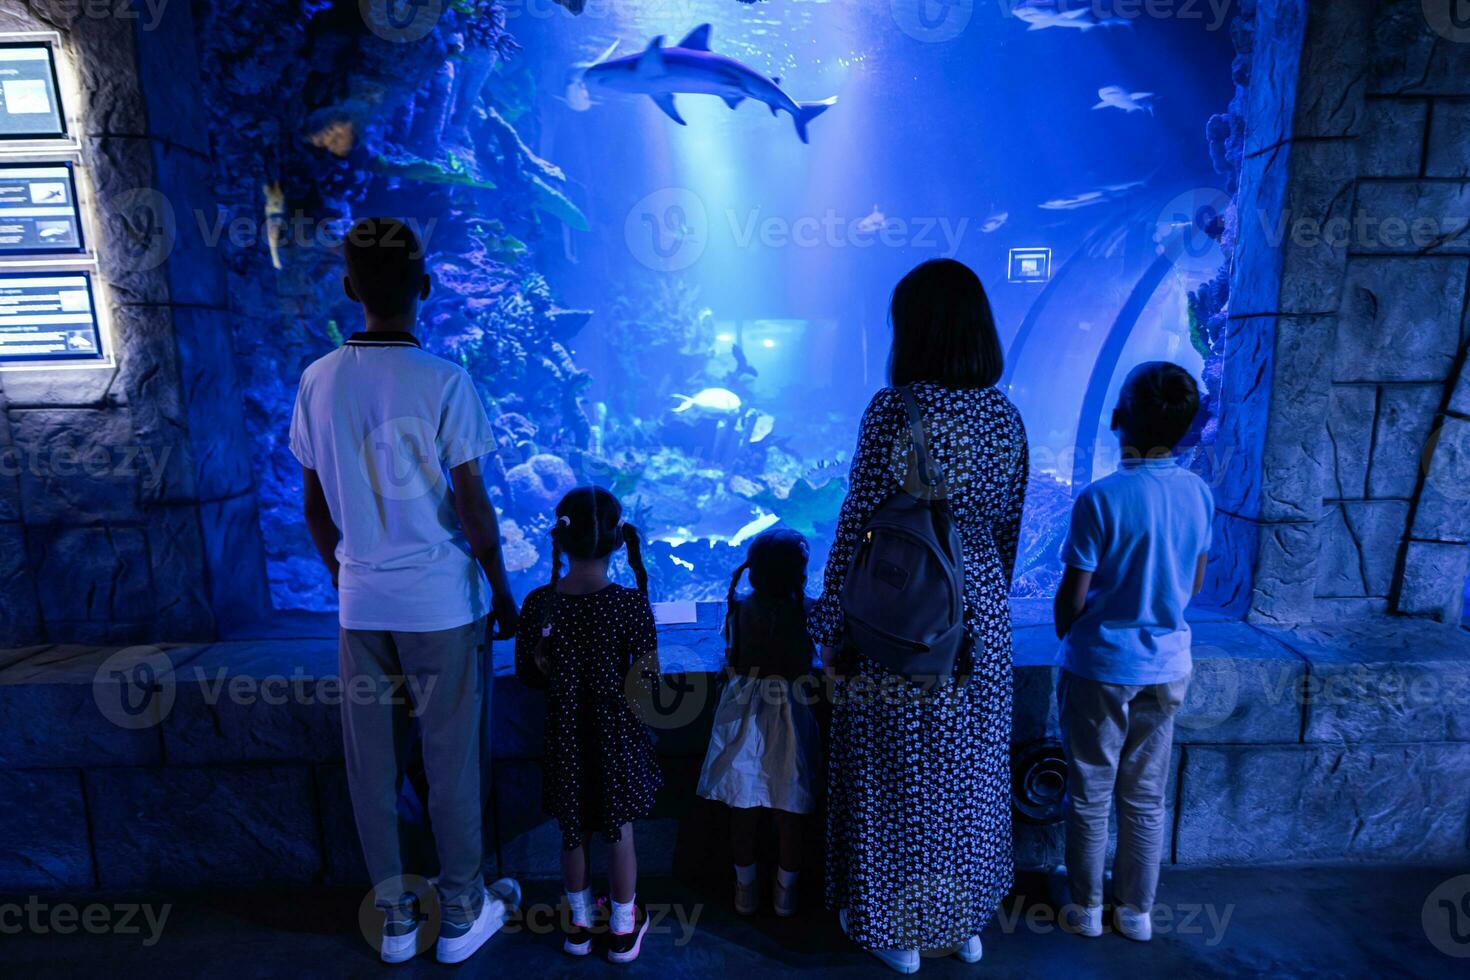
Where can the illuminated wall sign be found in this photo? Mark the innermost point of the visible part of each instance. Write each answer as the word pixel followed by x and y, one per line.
pixel 38 209
pixel 48 317
pixel 1030 265
pixel 30 100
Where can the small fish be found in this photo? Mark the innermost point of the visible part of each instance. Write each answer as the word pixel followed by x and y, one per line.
pixel 874 222
pixel 1117 97
pixel 710 401
pixel 1083 200
pixel 742 364
pixel 994 222
pixel 275 220
pixel 762 426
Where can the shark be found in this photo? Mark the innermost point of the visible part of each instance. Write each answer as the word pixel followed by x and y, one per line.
pixel 691 68
pixel 1117 97
pixel 1041 14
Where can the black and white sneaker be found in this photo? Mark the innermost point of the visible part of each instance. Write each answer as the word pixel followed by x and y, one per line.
pixel 459 941
pixel 577 940
pixel 624 947
pixel 401 931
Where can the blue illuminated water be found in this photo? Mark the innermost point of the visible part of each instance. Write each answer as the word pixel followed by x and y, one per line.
pixel 729 238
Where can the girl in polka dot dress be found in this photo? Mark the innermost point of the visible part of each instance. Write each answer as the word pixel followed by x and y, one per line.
pixel 583 637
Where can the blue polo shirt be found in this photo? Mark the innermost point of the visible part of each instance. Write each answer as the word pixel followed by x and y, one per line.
pixel 1140 533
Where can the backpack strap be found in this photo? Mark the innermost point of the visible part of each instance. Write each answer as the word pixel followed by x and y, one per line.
pixel 930 475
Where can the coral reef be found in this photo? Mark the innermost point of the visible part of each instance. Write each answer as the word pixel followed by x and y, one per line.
pixel 1209 306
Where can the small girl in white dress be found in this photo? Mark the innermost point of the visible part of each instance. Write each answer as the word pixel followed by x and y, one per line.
pixel 765 748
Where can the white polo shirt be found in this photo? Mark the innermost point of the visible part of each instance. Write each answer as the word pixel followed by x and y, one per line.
pixel 382 422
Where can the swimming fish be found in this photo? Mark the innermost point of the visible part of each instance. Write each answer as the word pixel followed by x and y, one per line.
pixel 1117 97
pixel 874 222
pixel 994 222
pixel 691 68
pixel 711 401
pixel 1083 200
pixel 275 220
pixel 1041 14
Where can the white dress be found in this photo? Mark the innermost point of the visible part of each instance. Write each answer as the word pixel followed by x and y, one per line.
pixel 765 748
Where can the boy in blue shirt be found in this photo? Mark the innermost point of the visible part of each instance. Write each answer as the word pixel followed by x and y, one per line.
pixel 1134 556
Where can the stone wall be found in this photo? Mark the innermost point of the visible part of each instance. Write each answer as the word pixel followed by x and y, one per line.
pixel 221 764
pixel 154 531
pixel 1345 492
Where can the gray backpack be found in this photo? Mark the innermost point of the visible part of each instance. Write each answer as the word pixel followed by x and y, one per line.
pixel 904 596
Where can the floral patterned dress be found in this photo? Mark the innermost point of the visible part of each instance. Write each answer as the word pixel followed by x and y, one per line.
pixel 919 798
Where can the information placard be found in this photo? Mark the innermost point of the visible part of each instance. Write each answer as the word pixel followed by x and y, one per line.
pixel 48 317
pixel 38 209
pixel 30 99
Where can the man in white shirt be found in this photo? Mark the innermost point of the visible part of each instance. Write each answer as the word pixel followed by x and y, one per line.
pixel 389 438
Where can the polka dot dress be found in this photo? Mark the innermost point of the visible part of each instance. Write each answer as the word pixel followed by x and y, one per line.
pixel 600 768
pixel 919 808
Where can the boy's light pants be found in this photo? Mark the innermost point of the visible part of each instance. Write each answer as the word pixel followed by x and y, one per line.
pixel 1119 736
pixel 441 677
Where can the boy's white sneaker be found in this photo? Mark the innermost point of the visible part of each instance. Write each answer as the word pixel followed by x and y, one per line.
pixel 401 931
pixel 897 960
pixel 971 951
pixel 1084 920
pixel 1137 926
pixel 459 943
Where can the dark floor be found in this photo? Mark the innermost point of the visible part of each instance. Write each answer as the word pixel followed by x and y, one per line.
pixel 1228 923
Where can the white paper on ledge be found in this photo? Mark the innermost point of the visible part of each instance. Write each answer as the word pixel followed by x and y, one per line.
pixel 674 613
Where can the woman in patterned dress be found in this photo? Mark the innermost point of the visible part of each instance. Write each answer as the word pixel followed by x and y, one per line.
pixel 919 808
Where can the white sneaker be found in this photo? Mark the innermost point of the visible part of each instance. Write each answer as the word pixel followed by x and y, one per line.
pixel 1137 926
pixel 897 960
pixel 459 943
pixel 971 951
pixel 1084 920
pixel 401 931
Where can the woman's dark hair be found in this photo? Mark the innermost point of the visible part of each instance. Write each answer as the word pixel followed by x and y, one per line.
pixel 777 562
pixel 943 330
pixel 589 525
pixel 1156 407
